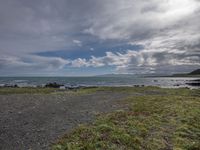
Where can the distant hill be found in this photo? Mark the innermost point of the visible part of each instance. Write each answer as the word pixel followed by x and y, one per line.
pixel 116 75
pixel 195 72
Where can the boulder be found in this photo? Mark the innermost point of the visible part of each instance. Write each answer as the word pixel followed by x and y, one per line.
pixel 53 85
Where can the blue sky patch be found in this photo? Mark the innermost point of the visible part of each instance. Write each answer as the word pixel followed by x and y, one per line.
pixel 86 51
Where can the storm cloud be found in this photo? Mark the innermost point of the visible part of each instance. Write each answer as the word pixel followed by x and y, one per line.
pixel 167 32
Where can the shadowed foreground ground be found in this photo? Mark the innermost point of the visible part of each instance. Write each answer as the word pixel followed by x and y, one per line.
pixel 33 121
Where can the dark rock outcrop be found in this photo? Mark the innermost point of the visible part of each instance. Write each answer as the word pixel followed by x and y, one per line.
pixel 194 83
pixel 53 85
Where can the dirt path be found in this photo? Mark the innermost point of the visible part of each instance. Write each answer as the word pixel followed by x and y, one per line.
pixel 34 121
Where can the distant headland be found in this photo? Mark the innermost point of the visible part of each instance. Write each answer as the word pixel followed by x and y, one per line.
pixel 195 73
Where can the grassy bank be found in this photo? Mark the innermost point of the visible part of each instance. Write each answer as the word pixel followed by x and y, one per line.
pixel 38 90
pixel 155 119
pixel 26 90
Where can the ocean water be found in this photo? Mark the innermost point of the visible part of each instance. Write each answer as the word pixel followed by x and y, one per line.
pixel 98 81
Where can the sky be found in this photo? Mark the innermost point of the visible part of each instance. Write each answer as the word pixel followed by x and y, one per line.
pixel 91 37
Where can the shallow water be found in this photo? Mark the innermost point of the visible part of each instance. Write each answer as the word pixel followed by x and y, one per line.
pixel 99 81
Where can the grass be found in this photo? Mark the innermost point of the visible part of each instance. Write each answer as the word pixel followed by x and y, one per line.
pixel 157 119
pixel 82 91
pixel 38 90
pixel 27 90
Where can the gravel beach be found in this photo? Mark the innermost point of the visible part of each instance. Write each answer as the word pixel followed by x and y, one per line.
pixel 34 121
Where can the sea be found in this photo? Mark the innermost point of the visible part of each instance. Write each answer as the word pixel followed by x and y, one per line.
pixel 165 82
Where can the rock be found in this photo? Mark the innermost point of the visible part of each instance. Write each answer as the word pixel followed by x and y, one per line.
pixel 194 83
pixel 136 86
pixel 73 87
pixel 15 86
pixel 62 87
pixel 11 85
pixel 53 85
pixel 19 112
pixel 10 111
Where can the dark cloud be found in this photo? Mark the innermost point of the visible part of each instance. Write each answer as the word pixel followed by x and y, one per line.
pixel 168 31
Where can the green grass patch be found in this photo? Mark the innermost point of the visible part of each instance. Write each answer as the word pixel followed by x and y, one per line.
pixel 26 90
pixel 158 119
pixel 90 90
pixel 87 90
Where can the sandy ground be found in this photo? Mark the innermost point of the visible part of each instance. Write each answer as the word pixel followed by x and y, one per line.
pixel 35 121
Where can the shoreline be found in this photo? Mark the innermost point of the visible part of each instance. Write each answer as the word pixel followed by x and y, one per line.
pixel 73 83
pixel 60 87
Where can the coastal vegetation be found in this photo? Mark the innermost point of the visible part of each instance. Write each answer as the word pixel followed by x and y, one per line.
pixel 25 90
pixel 152 119
pixel 149 118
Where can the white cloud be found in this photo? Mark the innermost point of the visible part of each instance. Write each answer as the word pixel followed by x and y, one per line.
pixel 77 42
pixel 79 63
pixel 96 62
pixel 33 64
pixel 139 19
pixel 168 31
pixel 145 61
